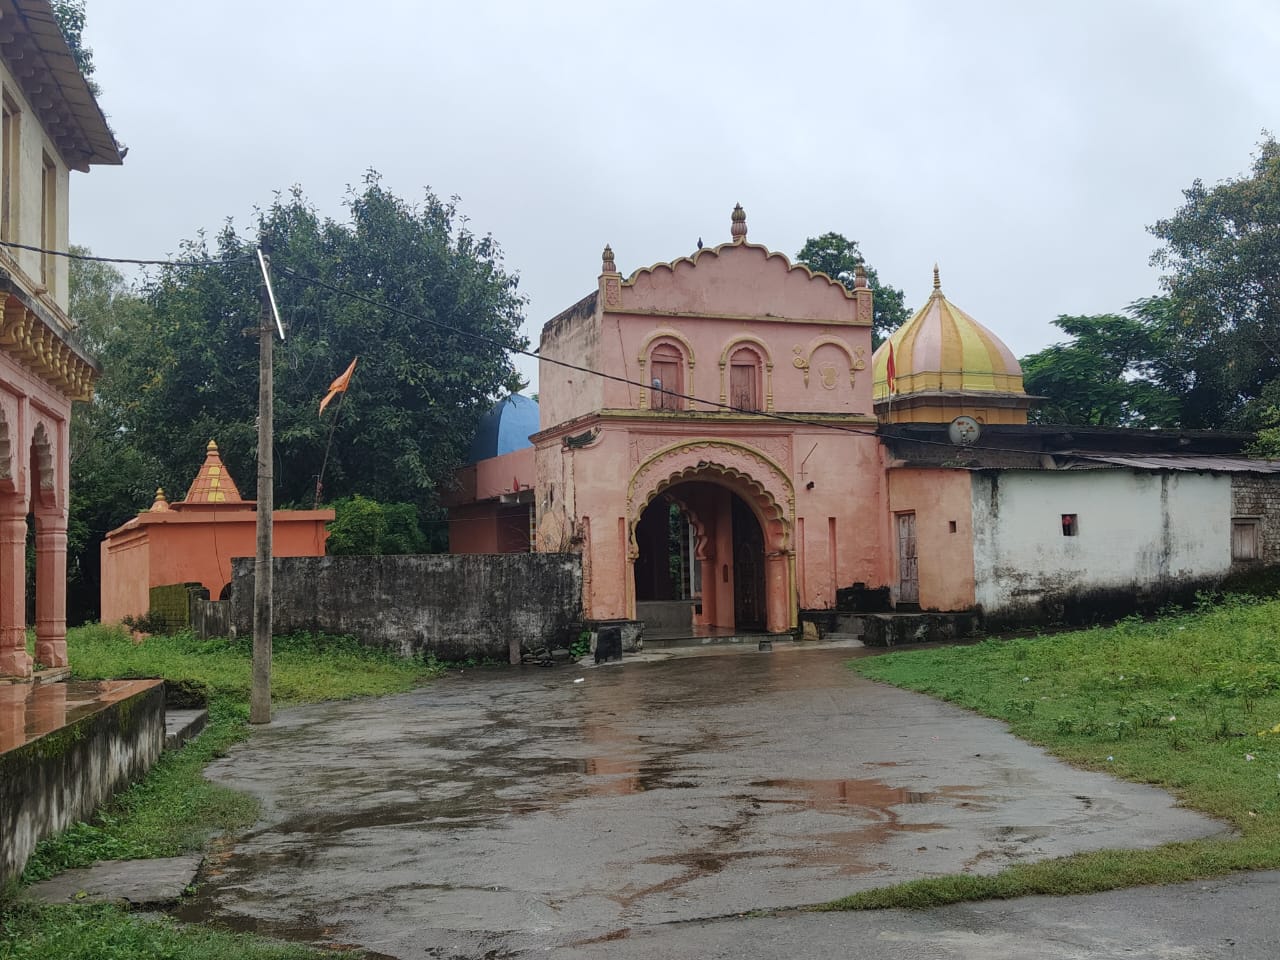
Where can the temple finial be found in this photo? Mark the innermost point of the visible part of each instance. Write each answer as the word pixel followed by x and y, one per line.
pixel 739 229
pixel 161 502
pixel 859 277
pixel 606 260
pixel 937 283
pixel 211 447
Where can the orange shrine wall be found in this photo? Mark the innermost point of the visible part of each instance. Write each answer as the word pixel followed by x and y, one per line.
pixel 194 547
pixel 938 498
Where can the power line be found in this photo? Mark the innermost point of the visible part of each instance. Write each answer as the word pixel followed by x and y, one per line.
pixel 565 363
pixel 70 255
pixel 782 417
pixel 509 348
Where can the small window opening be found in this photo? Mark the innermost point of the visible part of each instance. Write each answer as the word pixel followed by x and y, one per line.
pixel 1244 539
pixel 1070 525
pixel 952 525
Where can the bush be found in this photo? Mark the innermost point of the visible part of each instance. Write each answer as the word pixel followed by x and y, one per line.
pixel 367 527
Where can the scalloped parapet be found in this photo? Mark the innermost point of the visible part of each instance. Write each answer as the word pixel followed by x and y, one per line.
pixel 741 279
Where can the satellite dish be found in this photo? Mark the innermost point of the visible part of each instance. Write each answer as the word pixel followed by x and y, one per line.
pixel 964 431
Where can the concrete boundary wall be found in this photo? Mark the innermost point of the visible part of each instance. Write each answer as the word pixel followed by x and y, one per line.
pixel 452 606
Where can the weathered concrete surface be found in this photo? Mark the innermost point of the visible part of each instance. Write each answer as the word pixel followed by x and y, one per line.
pixel 139 883
pixel 1228 919
pixel 454 606
pixel 64 749
pixel 519 810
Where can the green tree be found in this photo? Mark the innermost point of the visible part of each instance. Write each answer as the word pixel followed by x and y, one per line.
pixel 408 417
pixel 1222 256
pixel 70 16
pixel 838 257
pixel 1105 376
pixel 110 479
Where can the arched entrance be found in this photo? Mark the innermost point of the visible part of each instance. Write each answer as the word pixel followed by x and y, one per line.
pixel 710 543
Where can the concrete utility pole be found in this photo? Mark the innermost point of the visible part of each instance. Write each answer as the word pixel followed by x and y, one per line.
pixel 260 695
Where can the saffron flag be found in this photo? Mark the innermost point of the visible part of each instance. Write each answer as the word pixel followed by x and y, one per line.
pixel 891 369
pixel 338 386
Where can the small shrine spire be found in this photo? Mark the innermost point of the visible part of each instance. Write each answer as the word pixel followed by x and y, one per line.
pixel 738 230
pixel 606 260
pixel 212 483
pixel 161 503
pixel 937 283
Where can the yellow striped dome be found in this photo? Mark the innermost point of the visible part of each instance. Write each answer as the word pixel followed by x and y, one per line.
pixel 943 350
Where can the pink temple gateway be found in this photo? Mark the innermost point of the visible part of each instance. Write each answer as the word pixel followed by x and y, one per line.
pixel 743 465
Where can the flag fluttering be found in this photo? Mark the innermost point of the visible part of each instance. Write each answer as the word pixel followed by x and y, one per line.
pixel 890 370
pixel 338 386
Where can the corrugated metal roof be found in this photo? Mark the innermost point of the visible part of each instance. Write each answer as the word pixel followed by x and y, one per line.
pixel 1184 462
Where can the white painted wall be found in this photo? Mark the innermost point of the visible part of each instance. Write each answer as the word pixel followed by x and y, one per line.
pixel 1136 530
pixel 32 147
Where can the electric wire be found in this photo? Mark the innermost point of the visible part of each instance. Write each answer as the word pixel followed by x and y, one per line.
pixel 771 415
pixel 71 255
pixel 507 347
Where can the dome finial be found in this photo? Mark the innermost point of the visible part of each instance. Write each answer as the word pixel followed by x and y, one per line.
pixel 211 446
pixel 937 283
pixel 859 277
pixel 606 260
pixel 739 228
pixel 161 503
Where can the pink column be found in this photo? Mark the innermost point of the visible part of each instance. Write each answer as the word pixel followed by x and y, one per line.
pixel 51 588
pixel 777 593
pixel 14 659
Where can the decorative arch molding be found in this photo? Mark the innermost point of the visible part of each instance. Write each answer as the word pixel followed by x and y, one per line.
pixel 803 358
pixel 656 339
pixel 761 349
pixel 751 474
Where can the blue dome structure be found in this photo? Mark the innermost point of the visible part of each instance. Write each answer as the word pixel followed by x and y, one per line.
pixel 505 428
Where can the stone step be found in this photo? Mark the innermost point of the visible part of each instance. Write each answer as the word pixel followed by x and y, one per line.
pixel 183 725
pixel 135 883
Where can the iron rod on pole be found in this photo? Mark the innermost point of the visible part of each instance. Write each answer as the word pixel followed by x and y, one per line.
pixel 260 694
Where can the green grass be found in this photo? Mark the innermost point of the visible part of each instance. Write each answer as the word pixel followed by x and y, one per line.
pixel 1190 702
pixel 174 809
pixel 29 932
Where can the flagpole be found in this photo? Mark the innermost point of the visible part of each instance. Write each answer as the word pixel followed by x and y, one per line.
pixel 337 411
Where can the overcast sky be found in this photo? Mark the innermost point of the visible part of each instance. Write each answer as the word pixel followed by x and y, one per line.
pixel 1023 146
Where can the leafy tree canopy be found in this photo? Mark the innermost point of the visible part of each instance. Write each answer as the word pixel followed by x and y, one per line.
pixel 1106 375
pixel 838 257
pixel 407 419
pixel 1222 256
pixel 70 16
pixel 110 478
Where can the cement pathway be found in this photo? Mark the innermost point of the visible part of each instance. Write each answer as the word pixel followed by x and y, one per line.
pixel 496 812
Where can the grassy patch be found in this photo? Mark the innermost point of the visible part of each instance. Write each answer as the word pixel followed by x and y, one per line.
pixel 1190 702
pixel 174 809
pixel 29 932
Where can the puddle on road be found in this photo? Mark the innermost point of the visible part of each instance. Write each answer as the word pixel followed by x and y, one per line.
pixel 835 796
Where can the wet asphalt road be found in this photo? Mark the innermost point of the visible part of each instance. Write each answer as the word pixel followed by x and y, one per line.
pixel 495 813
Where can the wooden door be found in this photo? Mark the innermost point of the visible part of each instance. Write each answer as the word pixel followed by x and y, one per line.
pixel 748 569
pixel 908 568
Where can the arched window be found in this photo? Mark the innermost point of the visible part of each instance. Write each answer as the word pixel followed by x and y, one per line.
pixel 666 377
pixel 744 379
